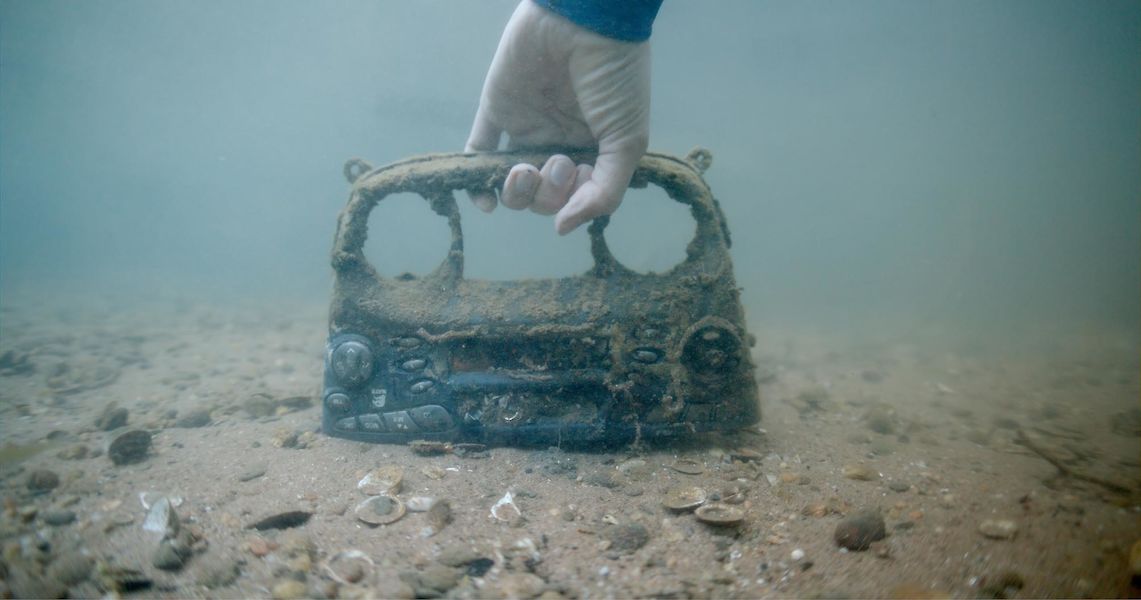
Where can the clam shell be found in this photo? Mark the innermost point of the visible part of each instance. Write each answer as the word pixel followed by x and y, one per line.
pixel 684 498
pixel 719 514
pixel 382 481
pixel 380 510
pixel 687 466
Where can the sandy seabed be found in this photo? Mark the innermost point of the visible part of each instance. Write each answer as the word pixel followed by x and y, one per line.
pixel 998 473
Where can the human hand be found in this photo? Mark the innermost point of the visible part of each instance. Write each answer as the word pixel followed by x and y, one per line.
pixel 555 84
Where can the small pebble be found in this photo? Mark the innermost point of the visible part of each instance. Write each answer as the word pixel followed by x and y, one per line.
pixel 289 589
pixel 898 486
pixel 59 518
pixel 196 418
pixel 171 554
pixel 859 472
pixel 112 417
pixel 70 568
pixel 625 539
pixel 796 555
pixel 858 531
pixel 42 480
pixel 998 529
pixel 252 472
pixel 130 447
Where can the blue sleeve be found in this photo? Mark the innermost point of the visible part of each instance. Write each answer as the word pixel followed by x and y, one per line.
pixel 626 20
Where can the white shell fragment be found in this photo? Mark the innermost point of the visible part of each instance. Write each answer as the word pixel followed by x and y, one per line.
pixel 505 509
pixel 340 559
pixel 420 503
pixel 161 518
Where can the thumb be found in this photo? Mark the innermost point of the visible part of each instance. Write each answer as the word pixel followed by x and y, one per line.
pixel 484 137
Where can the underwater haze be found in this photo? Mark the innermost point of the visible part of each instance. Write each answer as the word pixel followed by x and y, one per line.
pixel 960 165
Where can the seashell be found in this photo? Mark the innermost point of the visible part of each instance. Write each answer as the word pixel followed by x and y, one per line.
pixel 719 514
pixel 687 466
pixel 382 481
pixel 161 518
pixel 348 566
pixel 734 494
pixel 684 498
pixel 380 510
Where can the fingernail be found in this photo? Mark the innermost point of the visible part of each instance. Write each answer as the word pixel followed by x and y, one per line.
pixel 527 183
pixel 561 172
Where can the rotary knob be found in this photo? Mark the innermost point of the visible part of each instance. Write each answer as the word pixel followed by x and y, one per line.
pixel 351 363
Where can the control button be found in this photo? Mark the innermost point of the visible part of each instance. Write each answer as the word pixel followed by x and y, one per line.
pixel 400 421
pixel 379 397
pixel 431 417
pixel 407 342
pixel 338 402
pixel 347 424
pixel 647 356
pixel 371 423
pixel 422 386
pixel 351 362
pixel 415 364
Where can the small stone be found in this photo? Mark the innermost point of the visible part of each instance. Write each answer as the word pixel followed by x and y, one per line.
pixel 859 473
pixel 59 518
pixel 199 417
pixel 289 589
pixel 260 547
pixel 998 529
pixel 457 556
pixel 112 417
pixel 171 554
pixel 898 486
pixel 520 585
pixel 601 479
pixel 71 568
pixel 947 500
pixel 626 539
pixel 252 472
pixel 858 531
pixel 130 447
pixel 42 480
pixel 216 571
pixel 433 472
pixel 432 582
